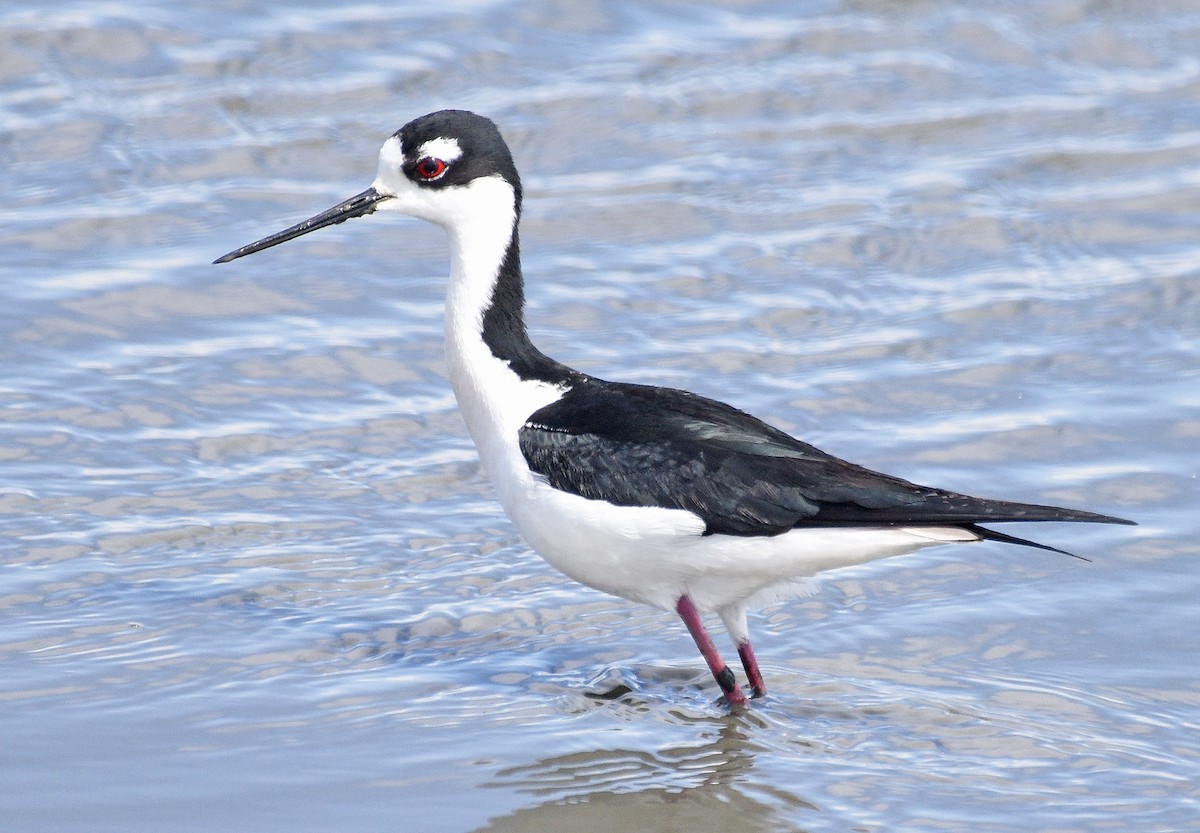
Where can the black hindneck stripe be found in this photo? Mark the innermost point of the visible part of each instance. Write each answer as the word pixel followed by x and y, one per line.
pixel 504 325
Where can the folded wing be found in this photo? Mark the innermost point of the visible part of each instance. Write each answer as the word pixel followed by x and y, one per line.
pixel 634 445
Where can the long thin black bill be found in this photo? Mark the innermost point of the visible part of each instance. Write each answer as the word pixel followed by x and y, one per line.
pixel 357 206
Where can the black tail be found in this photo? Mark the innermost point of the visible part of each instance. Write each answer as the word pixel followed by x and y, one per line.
pixel 1050 513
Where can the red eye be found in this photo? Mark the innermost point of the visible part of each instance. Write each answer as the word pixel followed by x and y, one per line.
pixel 430 168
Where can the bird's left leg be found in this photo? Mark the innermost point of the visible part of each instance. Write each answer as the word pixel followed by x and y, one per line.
pixel 735 622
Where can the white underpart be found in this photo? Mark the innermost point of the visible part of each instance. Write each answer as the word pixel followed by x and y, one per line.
pixel 644 554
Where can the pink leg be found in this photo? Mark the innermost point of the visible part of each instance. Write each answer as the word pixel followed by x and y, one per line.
pixel 757 686
pixel 725 679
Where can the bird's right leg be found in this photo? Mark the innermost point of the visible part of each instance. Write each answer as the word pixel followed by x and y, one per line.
pixel 724 676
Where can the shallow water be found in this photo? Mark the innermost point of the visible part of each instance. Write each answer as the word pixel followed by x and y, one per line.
pixel 252 576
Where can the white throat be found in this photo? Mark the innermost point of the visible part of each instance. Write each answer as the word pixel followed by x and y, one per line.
pixel 480 231
pixel 494 401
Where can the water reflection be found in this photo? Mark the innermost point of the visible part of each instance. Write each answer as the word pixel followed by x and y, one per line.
pixel 708 785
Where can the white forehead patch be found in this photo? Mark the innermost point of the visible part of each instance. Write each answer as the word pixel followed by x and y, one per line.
pixel 391 155
pixel 440 148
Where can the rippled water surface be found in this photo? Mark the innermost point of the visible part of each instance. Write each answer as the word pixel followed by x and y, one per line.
pixel 252 577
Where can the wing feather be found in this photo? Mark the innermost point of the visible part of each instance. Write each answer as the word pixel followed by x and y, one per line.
pixel 635 445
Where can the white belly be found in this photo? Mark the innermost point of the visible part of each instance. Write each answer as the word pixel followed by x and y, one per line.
pixel 657 555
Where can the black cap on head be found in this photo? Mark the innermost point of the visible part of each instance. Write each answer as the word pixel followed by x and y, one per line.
pixel 484 151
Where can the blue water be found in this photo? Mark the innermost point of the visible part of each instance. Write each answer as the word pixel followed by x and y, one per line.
pixel 251 576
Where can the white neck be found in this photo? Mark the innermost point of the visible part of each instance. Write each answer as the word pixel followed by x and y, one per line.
pixel 479 237
pixel 494 401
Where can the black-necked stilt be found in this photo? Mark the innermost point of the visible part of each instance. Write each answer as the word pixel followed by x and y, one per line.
pixel 652 494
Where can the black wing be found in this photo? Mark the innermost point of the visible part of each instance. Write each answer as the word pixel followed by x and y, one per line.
pixel 634 445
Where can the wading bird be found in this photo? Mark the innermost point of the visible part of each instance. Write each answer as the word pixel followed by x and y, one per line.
pixel 652 494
